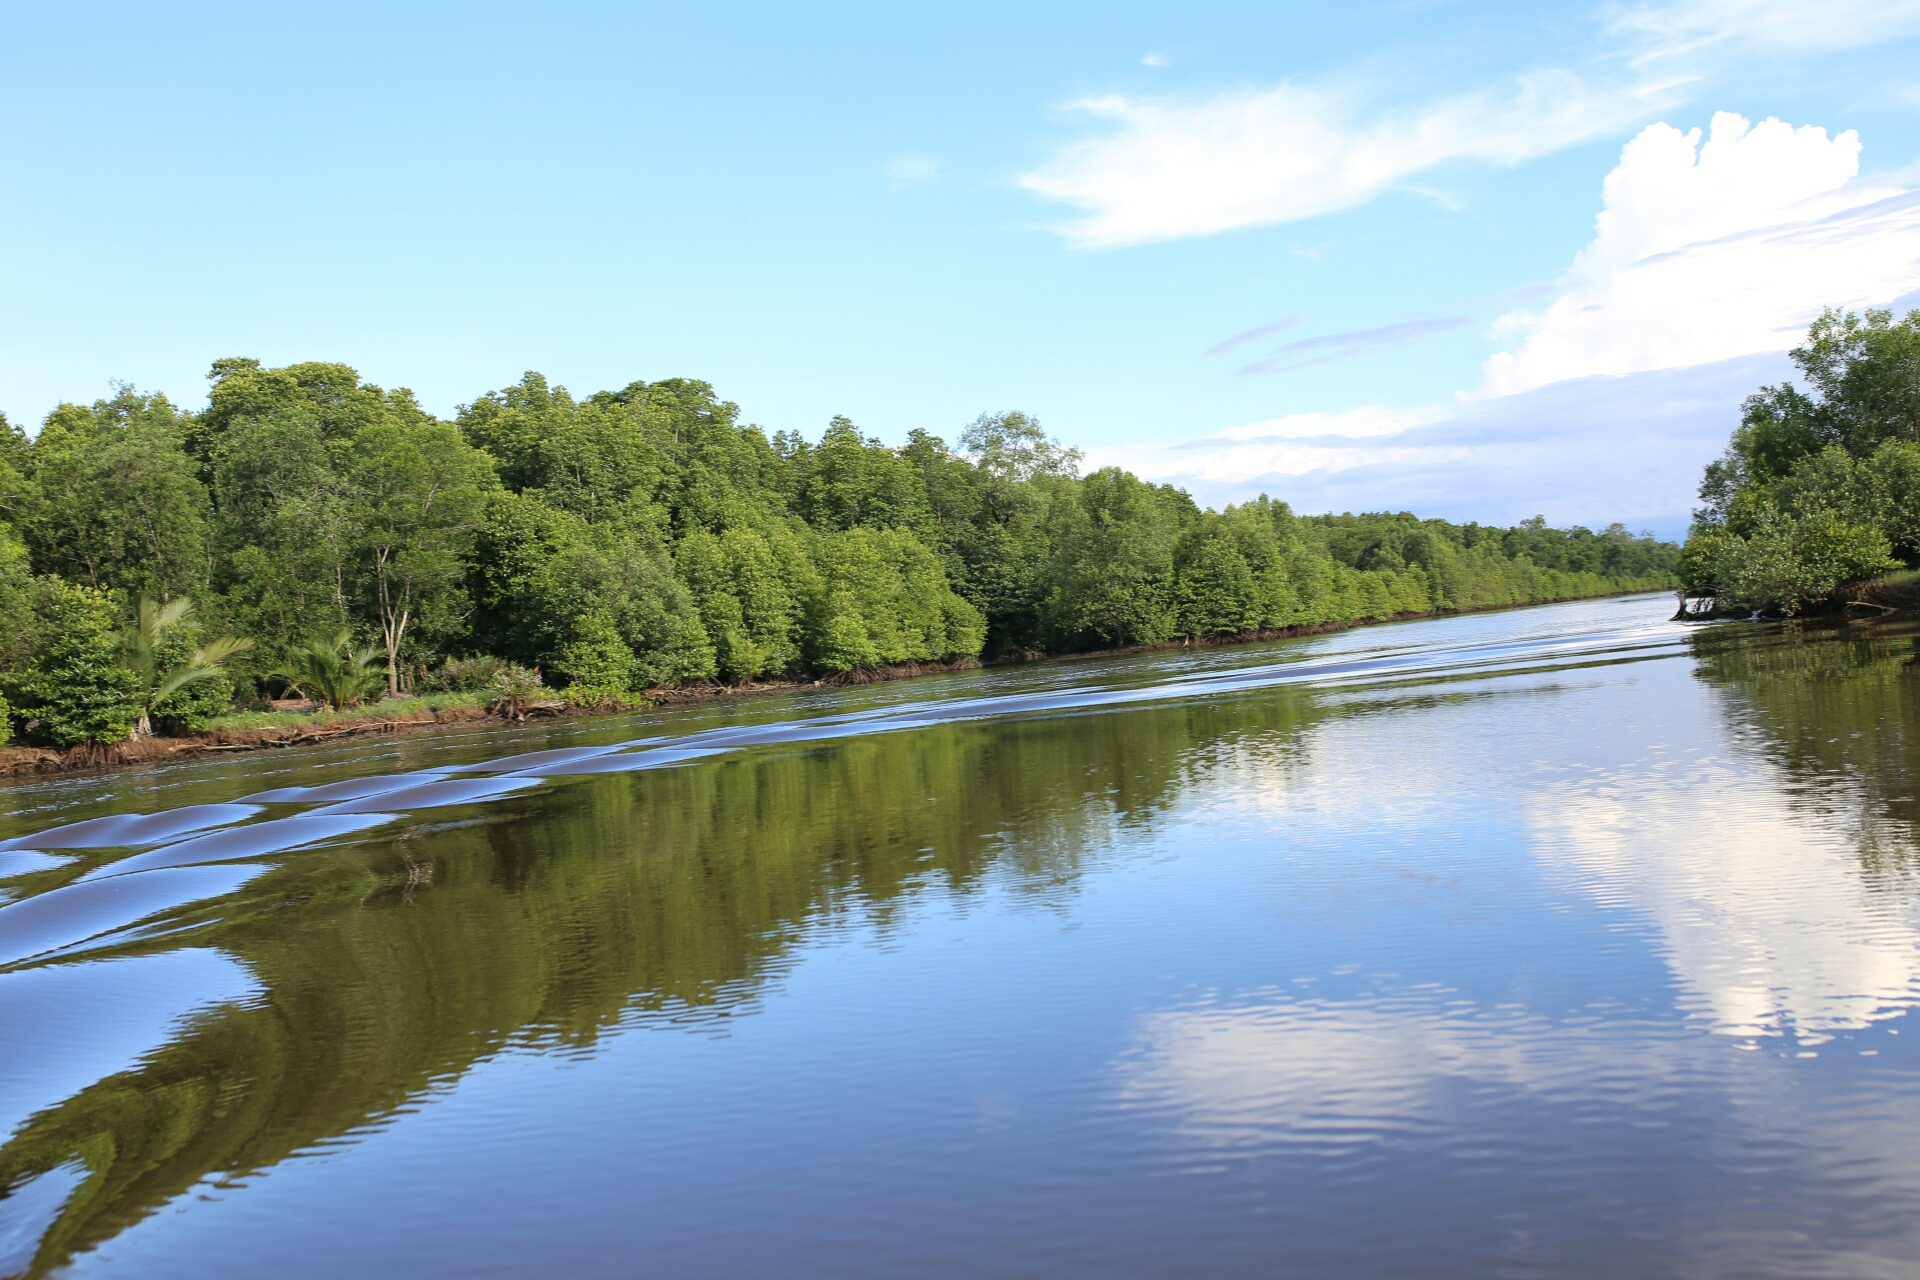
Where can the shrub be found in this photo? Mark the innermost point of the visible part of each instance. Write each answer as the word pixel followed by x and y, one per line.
pixel 75 690
pixel 600 697
pixel 467 675
pixel 516 688
pixel 189 709
pixel 182 684
pixel 326 669
pixel 1790 561
pixel 597 656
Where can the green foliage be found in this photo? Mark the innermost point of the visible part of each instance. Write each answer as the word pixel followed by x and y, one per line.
pixel 1788 561
pixel 515 689
pixel 75 689
pixel 750 590
pixel 889 602
pixel 848 481
pixel 329 670
pixel 467 675
pixel 597 657
pixel 645 536
pixel 19 627
pixel 191 708
pixel 118 502
pixel 179 682
pixel 1820 487
pixel 418 493
pixel 1113 569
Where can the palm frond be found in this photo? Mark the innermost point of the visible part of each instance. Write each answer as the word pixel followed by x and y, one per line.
pixel 323 666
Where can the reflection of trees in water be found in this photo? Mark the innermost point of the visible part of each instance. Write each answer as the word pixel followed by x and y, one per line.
pixel 389 967
pixel 1839 714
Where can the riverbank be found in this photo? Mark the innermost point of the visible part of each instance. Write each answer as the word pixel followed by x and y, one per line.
pixel 1850 601
pixel 270 730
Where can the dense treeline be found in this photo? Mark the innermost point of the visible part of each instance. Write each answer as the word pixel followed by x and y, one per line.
pixel 637 538
pixel 1822 486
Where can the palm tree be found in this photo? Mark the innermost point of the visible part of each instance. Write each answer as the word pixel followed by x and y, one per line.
pixel 140 649
pixel 324 666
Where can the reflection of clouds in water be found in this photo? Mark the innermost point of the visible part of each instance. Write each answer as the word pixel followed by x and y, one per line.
pixel 1332 1076
pixel 1765 916
pixel 1306 1073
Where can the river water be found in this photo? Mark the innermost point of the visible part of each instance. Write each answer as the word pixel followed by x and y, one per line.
pixel 1566 941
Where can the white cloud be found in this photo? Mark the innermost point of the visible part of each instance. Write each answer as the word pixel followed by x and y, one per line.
pixel 1154 60
pixel 1710 256
pixel 1293 445
pixel 1173 169
pixel 1769 926
pixel 1709 250
pixel 1691 25
pixel 1589 451
pixel 911 171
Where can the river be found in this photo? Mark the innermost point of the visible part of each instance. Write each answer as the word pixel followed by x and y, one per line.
pixel 1565 941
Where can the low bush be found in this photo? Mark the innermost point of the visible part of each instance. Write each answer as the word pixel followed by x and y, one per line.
pixel 466 675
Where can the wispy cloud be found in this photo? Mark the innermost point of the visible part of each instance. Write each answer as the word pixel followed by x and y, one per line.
pixel 1684 28
pixel 1172 168
pixel 1154 60
pixel 1330 347
pixel 911 171
pixel 1159 168
pixel 1240 339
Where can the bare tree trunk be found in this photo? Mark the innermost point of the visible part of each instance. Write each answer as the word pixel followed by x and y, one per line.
pixel 393 628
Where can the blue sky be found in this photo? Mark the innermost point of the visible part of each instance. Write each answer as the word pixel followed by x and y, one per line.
pixel 1344 254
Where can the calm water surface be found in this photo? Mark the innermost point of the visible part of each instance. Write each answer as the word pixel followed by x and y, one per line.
pixel 1560 942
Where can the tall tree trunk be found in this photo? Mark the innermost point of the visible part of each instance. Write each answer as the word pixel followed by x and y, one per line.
pixel 393 628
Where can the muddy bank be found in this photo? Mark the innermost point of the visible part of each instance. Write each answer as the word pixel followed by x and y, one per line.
pixel 19 762
pixel 24 762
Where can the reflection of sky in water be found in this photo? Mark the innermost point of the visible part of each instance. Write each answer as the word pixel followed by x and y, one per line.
pixel 29 1209
pixel 1763 912
pixel 1496 960
pixel 93 1018
pixel 1487 858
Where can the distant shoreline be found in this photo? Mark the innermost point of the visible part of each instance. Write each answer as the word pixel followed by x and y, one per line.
pixel 19 764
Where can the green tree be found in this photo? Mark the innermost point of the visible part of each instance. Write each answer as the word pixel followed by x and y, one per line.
pixel 1789 561
pixel 631 584
pixel 19 631
pixel 1865 373
pixel 1217 592
pixel 745 583
pixel 1013 447
pixel 598 460
pixel 596 660
pixel 1113 575
pixel 419 494
pixel 274 444
pixel 847 481
pixel 118 503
